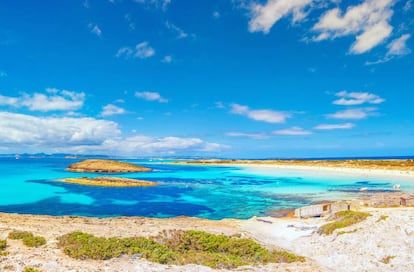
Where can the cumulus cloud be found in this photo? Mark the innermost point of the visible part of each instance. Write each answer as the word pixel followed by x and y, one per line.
pixel 353 114
pixel 293 131
pixel 54 132
pixel 54 100
pixel 334 126
pixel 27 133
pixel 151 96
pixel 111 109
pixel 146 145
pixel 357 98
pixel 142 51
pixel 368 20
pixel 269 116
pixel 264 16
pixel 256 136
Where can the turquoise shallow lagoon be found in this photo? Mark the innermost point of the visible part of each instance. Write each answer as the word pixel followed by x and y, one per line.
pixel 29 186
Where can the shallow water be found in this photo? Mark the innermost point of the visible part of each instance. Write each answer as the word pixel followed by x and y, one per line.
pixel 28 185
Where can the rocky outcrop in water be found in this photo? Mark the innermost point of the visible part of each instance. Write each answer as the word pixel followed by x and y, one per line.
pixel 105 166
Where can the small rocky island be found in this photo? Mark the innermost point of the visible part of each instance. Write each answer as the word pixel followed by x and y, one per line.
pixel 110 182
pixel 109 167
pixel 105 166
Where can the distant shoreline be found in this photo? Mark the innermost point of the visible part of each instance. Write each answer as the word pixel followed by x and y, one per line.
pixel 377 168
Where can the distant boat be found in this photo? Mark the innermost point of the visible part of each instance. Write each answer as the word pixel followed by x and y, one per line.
pixel 17 156
pixel 364 189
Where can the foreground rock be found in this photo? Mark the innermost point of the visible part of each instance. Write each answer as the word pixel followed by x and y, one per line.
pixel 110 182
pixel 106 166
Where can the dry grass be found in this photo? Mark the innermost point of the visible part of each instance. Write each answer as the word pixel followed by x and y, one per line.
pixel 105 166
pixel 110 182
pixel 343 219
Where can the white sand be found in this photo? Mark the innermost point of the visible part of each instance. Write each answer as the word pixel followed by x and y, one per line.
pixel 328 171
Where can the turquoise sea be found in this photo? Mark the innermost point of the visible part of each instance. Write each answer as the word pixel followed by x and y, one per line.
pixel 29 186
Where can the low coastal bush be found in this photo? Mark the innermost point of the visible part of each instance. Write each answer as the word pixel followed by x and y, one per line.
pixel 18 235
pixel 28 238
pixel 176 247
pixel 34 241
pixel 3 244
pixel 31 269
pixel 343 219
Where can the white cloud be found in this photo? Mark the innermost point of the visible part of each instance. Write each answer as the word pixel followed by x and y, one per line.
pixel 263 17
pixel 55 100
pixel 256 136
pixel 161 4
pixel 167 59
pixel 357 98
pixel 219 105
pixel 151 96
pixel 124 51
pixel 95 29
pixel 111 109
pixel 130 21
pixel 26 133
pixel 334 126
pixel 268 116
pixel 408 5
pixel 368 20
pixel 142 51
pixel 398 47
pixel 54 132
pixel 216 14
pixel 181 34
pixel 9 101
pixel 353 114
pixel 3 74
pixel 293 131
pixel 146 145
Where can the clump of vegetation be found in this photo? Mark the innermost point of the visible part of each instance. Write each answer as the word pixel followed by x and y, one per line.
pixel 19 235
pixel 387 259
pixel 28 238
pixel 31 269
pixel 343 219
pixel 3 244
pixel 347 232
pixel 382 217
pixel 176 247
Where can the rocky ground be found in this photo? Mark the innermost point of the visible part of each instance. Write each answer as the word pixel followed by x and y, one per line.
pixel 384 242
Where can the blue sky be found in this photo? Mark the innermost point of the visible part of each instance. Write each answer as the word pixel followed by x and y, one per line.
pixel 229 78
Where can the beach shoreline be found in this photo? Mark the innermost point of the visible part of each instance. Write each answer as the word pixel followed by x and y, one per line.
pixel 315 168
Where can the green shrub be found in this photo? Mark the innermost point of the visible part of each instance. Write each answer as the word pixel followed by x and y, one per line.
pixel 3 244
pixel 175 247
pixel 28 238
pixel 31 269
pixel 34 241
pixel 343 219
pixel 16 234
